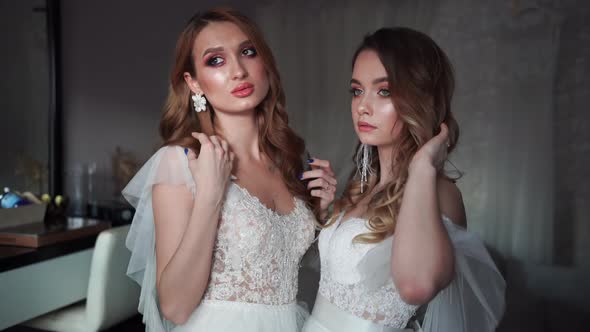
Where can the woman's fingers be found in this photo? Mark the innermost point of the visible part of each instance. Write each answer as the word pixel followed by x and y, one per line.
pixel 443 137
pixel 217 144
pixel 322 184
pixel 319 173
pixel 203 139
pixel 224 145
pixel 190 154
pixel 322 181
pixel 324 164
pixel 323 194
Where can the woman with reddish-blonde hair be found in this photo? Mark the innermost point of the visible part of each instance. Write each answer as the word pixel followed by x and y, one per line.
pixel 224 210
pixel 397 239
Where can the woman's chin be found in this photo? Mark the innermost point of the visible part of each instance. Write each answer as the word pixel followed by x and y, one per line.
pixel 365 138
pixel 247 104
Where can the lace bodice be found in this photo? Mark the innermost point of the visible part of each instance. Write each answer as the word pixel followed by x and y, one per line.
pixel 256 254
pixel 345 275
pixel 257 251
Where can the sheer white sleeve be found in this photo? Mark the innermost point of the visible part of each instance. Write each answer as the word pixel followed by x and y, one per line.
pixel 474 300
pixel 168 165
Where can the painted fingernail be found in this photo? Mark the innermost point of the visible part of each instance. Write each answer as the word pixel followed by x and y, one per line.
pixel 300 176
pixel 186 151
pixel 310 160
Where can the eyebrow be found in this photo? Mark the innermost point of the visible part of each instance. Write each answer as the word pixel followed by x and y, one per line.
pixel 375 81
pixel 245 42
pixel 220 48
pixel 213 50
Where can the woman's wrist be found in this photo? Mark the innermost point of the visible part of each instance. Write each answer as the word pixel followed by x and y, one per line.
pixel 422 167
pixel 326 213
pixel 212 196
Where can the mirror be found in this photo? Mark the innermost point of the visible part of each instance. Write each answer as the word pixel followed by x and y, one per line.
pixel 30 158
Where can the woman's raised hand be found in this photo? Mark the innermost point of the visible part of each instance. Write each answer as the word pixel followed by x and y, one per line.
pixel 322 183
pixel 434 152
pixel 211 170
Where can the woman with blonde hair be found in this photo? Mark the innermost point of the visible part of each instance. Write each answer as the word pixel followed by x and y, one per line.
pixel 397 239
pixel 222 217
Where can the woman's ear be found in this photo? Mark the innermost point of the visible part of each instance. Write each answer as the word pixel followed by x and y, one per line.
pixel 192 83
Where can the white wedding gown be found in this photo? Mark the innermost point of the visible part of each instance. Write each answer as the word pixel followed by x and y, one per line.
pixel 357 294
pixel 253 281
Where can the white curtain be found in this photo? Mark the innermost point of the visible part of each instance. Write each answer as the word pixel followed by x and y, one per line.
pixel 504 55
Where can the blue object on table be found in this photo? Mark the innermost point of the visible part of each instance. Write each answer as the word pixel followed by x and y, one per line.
pixel 10 200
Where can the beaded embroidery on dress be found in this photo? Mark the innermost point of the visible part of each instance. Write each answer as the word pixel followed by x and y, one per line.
pixel 257 252
pixel 357 293
pixel 254 273
pixel 344 283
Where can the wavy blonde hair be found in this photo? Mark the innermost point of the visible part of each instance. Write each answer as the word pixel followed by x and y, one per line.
pixel 421 82
pixel 277 140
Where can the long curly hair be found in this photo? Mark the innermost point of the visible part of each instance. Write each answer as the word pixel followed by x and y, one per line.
pixel 277 140
pixel 421 83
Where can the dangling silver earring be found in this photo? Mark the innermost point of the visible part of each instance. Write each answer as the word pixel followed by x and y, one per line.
pixel 363 164
pixel 199 102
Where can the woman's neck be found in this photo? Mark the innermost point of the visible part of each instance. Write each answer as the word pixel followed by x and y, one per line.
pixel 361 207
pixel 241 133
pixel 385 162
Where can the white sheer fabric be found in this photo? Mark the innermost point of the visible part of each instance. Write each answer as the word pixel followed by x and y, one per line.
pixel 356 279
pixel 253 282
pixel 475 299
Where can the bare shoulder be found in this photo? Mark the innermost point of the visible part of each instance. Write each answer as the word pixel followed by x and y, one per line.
pixel 451 201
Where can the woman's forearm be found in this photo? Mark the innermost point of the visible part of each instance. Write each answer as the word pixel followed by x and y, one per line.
pixel 184 279
pixel 422 256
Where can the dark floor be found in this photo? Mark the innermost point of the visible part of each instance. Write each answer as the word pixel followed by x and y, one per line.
pixel 133 324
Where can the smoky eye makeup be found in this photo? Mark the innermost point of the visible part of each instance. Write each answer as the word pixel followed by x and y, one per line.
pixel 214 61
pixel 249 51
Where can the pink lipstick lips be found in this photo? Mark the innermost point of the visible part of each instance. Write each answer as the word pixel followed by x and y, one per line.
pixel 243 90
pixel 365 127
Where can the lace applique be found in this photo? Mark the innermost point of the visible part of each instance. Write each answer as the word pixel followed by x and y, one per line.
pixel 256 255
pixel 257 251
pixel 342 282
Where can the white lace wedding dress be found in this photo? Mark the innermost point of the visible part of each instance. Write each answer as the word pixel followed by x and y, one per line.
pixel 253 281
pixel 357 294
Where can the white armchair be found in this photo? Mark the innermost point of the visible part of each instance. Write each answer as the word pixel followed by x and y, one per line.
pixel 112 296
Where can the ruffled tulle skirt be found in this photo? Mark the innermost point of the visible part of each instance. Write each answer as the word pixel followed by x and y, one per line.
pixel 222 316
